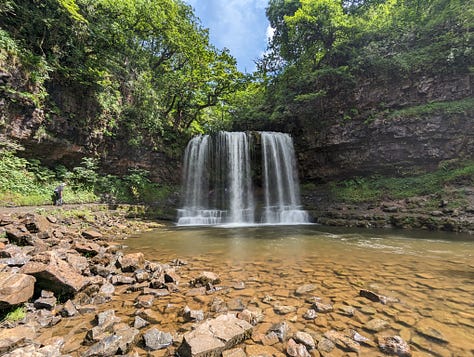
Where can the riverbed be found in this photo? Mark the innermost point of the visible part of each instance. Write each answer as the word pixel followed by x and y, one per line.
pixel 427 277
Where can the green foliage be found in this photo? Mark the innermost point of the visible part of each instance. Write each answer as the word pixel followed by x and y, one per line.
pixel 452 107
pixel 378 188
pixel 17 314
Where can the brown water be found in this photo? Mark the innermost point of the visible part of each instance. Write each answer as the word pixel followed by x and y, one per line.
pixel 431 274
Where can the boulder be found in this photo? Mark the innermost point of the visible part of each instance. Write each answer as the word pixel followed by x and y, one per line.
pixel 131 262
pixel 91 234
pixel 294 349
pixel 15 288
pixel 87 248
pixel 205 278
pixel 16 337
pixel 54 274
pixel 214 336
pixel 155 339
pixel 36 223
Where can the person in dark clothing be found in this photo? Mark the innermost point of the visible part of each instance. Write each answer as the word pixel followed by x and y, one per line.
pixel 58 194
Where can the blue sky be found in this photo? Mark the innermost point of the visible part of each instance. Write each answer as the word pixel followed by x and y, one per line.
pixel 239 25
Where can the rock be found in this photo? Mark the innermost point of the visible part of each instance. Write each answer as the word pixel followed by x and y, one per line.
pixel 252 315
pixel 214 336
pixel 270 339
pixel 36 223
pixel 145 301
pixel 324 308
pixel 236 305
pixel 87 248
pixel 15 289
pixel 54 274
pixel 325 345
pixel 281 329
pixel 304 289
pixel 16 337
pixel 128 337
pixel 431 329
pixel 19 235
pixel 68 309
pixel 141 275
pixel 91 234
pixel 310 314
pixel 394 345
pixel 121 280
pixel 156 292
pixel 294 349
pixel 376 325
pixel 139 322
pixel 342 341
pixel 204 279
pixel 193 315
pixel 262 351
pixel 155 339
pixel 376 297
pixel 131 262
pixel 283 309
pixel 235 352
pixel 171 276
pixel 46 301
pixel 108 346
pixel 304 338
pixel 107 289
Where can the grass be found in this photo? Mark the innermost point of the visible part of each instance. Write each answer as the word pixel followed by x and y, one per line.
pixel 377 188
pixel 451 107
pixel 17 314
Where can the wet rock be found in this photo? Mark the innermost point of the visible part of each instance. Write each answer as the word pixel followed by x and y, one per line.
pixel 376 325
pixel 171 276
pixel 141 275
pixel 15 289
pixel 156 292
pixel 294 349
pixel 304 289
pixel 239 285
pixel 320 307
pixel 236 305
pixel 359 338
pixel 304 338
pixel 204 279
pixel 121 280
pixel 310 314
pixel 252 315
pixel 431 329
pixel 140 322
pixel 284 309
pixel 281 329
pixel 108 346
pixel 325 345
pixel 16 337
pixel 235 352
pixel 270 339
pixel 107 289
pixel 394 345
pixel 54 274
pixel 128 337
pixel 131 262
pixel 145 301
pixel 193 315
pixel 377 297
pixel 343 341
pixel 261 351
pixel 155 339
pixel 214 336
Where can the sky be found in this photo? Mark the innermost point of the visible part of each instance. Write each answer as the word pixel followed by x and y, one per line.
pixel 239 25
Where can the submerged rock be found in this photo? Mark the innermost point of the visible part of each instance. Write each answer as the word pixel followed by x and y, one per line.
pixel 214 336
pixel 155 339
pixel 394 345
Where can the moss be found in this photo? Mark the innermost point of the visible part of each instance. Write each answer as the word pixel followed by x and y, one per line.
pixel 451 107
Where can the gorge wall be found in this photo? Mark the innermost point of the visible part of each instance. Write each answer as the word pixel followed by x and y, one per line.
pixel 405 127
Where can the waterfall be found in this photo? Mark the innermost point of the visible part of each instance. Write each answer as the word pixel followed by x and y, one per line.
pixel 223 174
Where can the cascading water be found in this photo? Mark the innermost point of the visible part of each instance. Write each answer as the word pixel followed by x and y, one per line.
pixel 221 180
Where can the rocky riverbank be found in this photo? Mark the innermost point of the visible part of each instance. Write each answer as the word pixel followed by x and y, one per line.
pixel 84 296
pixel 431 212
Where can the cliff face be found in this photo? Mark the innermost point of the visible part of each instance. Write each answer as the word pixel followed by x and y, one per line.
pixel 67 129
pixel 417 124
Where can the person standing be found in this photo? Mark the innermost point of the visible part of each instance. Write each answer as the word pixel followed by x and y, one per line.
pixel 58 194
